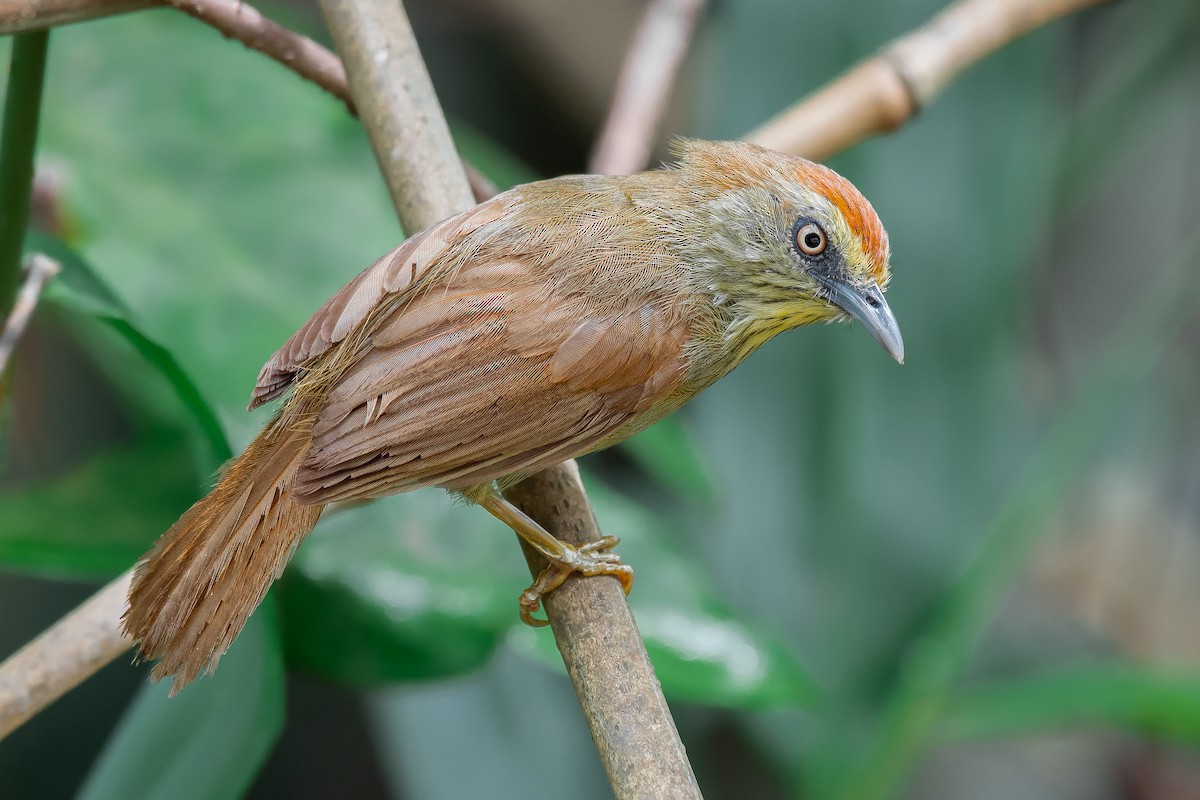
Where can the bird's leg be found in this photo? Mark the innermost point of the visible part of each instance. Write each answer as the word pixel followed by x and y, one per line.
pixel 594 558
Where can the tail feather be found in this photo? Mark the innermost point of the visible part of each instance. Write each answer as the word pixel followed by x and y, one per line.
pixel 195 589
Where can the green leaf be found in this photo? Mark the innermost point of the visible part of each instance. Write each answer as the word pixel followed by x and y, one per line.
pixel 96 519
pixel 416 587
pixel 210 740
pixel 98 516
pixel 702 652
pixel 406 588
pixel 1157 702
pixel 77 286
pixel 222 252
pixel 79 289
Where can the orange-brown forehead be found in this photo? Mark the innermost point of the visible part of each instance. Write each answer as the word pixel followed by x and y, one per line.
pixel 857 212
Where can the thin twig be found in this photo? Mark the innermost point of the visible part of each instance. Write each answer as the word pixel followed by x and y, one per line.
pixel 886 91
pixel 74 648
pixel 41 269
pixel 22 16
pixel 298 53
pixel 648 74
pixel 234 19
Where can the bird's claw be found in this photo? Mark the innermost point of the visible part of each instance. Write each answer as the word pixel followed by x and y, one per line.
pixel 593 558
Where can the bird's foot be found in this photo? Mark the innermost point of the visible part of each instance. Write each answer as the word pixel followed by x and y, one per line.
pixel 594 558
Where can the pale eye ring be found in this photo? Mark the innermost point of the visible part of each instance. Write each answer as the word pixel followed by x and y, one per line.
pixel 811 239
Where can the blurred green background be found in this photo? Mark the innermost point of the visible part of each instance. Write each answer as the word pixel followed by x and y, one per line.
pixel 974 576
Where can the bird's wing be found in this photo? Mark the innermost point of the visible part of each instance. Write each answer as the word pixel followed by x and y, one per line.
pixel 493 373
pixel 402 270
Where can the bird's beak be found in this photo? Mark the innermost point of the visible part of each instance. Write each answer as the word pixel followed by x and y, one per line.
pixel 869 308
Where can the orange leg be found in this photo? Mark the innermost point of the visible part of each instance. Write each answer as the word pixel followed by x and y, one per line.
pixel 594 558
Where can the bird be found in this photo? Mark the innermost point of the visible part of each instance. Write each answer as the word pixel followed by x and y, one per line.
pixel 556 319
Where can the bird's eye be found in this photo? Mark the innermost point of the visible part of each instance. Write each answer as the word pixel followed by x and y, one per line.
pixel 810 239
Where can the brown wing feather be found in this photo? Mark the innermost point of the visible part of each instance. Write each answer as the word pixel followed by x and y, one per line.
pixel 465 385
pixel 397 272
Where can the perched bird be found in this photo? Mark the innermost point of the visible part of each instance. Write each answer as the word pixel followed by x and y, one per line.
pixel 553 320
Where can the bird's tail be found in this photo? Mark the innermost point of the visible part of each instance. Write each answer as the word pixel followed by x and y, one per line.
pixel 194 590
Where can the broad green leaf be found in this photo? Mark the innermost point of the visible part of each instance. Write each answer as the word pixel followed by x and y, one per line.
pixel 207 742
pixel 701 651
pixel 77 285
pixel 96 519
pixel 81 290
pixel 98 516
pixel 1161 703
pixel 222 251
pixel 406 588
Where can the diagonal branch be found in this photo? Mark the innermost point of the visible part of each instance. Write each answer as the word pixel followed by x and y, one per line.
pixel 22 16
pixel 65 655
pixel 655 55
pixel 234 19
pixel 605 657
pixel 886 91
pixel 298 53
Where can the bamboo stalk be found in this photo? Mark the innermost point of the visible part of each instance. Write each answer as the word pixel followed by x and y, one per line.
pixel 18 141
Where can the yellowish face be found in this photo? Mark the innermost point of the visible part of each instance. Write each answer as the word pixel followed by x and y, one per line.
pixel 822 255
pixel 791 242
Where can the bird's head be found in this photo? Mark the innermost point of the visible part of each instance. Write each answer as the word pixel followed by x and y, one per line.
pixel 787 242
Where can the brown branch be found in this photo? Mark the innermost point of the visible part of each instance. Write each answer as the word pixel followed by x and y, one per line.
pixel 605 657
pixel 886 91
pixel 298 53
pixel 648 74
pixel 41 269
pixel 22 16
pixel 60 658
pixel 399 109
pixel 604 653
pixel 235 20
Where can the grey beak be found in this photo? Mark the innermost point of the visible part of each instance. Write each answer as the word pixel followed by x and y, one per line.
pixel 868 307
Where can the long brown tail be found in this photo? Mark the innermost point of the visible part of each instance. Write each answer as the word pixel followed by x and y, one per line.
pixel 195 589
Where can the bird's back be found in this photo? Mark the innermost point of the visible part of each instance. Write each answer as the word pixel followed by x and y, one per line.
pixel 526 338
